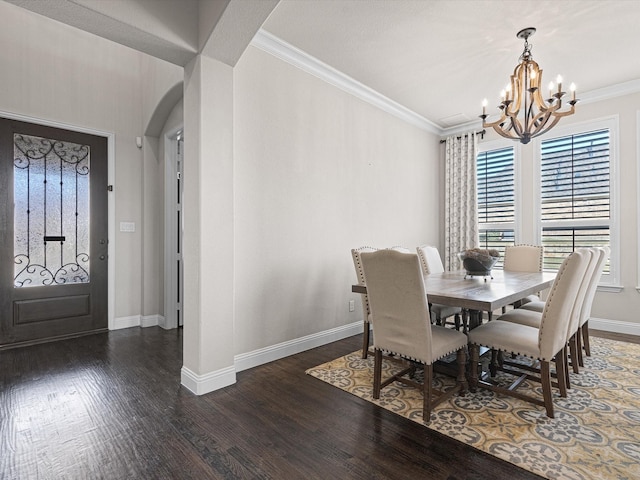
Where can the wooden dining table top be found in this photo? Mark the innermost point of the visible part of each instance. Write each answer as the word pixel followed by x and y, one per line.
pixel 480 293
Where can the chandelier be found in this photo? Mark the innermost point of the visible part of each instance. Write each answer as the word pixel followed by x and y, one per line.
pixel 524 114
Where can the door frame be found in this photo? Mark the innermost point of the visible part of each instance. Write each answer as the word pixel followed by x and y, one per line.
pixel 171 284
pixel 111 200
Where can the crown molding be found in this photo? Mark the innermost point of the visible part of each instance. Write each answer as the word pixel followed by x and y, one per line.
pixel 298 58
pixel 462 128
pixel 612 91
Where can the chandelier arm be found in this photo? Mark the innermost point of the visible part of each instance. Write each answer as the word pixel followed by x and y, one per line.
pixel 505 133
pixel 486 124
pixel 528 113
pixel 566 113
pixel 545 130
pixel 528 98
pixel 539 122
pixel 514 107
pixel 517 126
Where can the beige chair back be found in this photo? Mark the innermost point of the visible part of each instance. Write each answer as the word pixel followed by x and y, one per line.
pixel 602 256
pixel 400 314
pixel 592 258
pixel 400 249
pixel 357 263
pixel 430 259
pixel 523 258
pixel 556 316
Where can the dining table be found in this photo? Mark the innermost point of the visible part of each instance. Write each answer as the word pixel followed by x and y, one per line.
pixel 479 294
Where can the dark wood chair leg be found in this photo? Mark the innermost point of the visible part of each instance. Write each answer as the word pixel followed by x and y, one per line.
pixel 456 319
pixel 579 347
pixel 561 370
pixel 585 338
pixel 428 392
pixel 573 351
pixel 567 380
pixel 545 377
pixel 377 373
pixel 365 340
pixel 493 366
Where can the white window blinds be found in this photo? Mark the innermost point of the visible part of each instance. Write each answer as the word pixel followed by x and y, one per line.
pixel 574 194
pixel 496 198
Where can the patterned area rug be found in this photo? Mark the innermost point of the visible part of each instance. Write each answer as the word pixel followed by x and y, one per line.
pixel 595 432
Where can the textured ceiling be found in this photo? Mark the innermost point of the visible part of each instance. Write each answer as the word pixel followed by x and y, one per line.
pixel 438 58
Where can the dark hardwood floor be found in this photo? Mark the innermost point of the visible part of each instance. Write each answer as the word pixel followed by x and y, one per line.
pixel 110 406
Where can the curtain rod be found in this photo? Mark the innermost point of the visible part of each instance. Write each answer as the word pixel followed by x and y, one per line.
pixel 481 133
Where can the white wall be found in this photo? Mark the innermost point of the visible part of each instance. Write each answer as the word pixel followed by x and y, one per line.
pixel 622 306
pixel 157 78
pixel 53 72
pixel 316 173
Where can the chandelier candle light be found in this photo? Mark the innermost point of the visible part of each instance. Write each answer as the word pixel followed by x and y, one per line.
pixel 523 94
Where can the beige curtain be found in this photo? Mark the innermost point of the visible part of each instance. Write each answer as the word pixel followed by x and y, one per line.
pixel 461 214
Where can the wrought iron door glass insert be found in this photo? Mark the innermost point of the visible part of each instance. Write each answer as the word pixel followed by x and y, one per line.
pixel 51 213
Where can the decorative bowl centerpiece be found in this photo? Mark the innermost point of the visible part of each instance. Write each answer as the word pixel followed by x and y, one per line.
pixel 478 262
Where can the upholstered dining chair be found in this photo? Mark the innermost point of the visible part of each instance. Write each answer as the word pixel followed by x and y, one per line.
pixel 366 311
pixel 544 344
pixel 532 317
pixel 432 263
pixel 523 258
pixel 402 327
pixel 582 335
pixel 582 332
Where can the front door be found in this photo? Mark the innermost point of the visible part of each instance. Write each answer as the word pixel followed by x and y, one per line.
pixel 53 233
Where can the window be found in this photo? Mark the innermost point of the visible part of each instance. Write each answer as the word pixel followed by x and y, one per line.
pixel 575 194
pixel 496 198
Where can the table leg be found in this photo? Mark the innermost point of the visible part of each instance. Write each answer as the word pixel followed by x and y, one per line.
pixel 474 352
pixel 475 319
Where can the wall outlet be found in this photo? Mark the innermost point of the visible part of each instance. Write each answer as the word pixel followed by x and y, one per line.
pixel 352 305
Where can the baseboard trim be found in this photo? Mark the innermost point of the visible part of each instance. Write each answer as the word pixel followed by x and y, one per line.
pixel 151 320
pixel 167 324
pixel 126 322
pixel 616 326
pixel 139 321
pixel 261 356
pixel 201 384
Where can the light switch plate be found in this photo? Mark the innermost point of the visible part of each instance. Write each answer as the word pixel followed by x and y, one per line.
pixel 127 227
